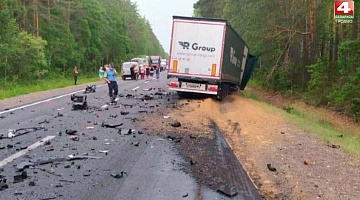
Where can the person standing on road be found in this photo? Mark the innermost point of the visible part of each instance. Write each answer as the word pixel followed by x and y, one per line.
pixel 142 73
pixel 76 74
pixel 101 72
pixel 147 71
pixel 110 78
pixel 136 72
pixel 157 72
pixel 132 72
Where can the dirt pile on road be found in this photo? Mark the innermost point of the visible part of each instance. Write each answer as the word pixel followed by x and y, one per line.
pixel 284 161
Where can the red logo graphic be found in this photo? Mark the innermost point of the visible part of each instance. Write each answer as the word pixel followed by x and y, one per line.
pixel 344 7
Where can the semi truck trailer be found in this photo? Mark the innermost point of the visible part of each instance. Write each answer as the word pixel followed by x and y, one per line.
pixel 208 56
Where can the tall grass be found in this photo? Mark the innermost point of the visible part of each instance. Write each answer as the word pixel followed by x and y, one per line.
pixel 8 89
pixel 348 140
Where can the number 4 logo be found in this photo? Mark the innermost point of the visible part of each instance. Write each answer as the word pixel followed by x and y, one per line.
pixel 344 7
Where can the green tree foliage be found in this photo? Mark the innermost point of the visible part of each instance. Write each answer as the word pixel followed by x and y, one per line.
pixel 49 37
pixel 300 46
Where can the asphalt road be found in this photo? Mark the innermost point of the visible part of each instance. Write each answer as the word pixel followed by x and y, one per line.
pixel 96 162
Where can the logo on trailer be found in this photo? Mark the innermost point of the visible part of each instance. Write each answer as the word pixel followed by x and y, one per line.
pixel 195 46
pixel 185 45
pixel 344 11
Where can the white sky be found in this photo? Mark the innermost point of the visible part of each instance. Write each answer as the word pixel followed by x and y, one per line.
pixel 159 13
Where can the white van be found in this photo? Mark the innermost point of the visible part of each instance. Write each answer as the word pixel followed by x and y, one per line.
pixel 126 69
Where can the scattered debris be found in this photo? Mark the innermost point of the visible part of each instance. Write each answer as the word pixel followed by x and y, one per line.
pixel 143 111
pixel 166 117
pixel 79 102
pixel 334 146
pixel 282 132
pixel 74 138
pixel 21 131
pixel 136 144
pixel 70 132
pixel 192 162
pixel 192 137
pixel 90 127
pixel 86 174
pixel 18 193
pixel 176 124
pixel 124 112
pixel 147 89
pixel 307 162
pixel 147 98
pixel 67 181
pixel 44 122
pixel 140 132
pixel 94 138
pixel 273 169
pixel 59 115
pixel 103 151
pixel 185 195
pixel 118 175
pixel 129 96
pixel 90 89
pixel 24 165
pixel 3 184
pixel 73 157
pixel 58 185
pixel 228 191
pixel 20 177
pixel 32 183
pixel 111 125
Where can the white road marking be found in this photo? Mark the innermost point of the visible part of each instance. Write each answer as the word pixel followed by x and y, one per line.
pixel 146 82
pixel 43 101
pixel 106 105
pixel 23 152
pixel 136 88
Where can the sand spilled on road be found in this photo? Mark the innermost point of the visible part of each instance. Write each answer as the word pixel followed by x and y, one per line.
pixel 260 136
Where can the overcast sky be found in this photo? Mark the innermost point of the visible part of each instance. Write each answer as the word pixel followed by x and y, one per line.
pixel 159 13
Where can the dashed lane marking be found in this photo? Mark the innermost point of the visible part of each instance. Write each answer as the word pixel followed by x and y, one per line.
pixel 43 101
pixel 23 152
pixel 136 88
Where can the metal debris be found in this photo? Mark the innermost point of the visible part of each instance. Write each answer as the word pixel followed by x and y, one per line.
pixel 118 175
pixel 228 191
pixel 111 125
pixel 124 112
pixel 176 124
pixel 24 165
pixel 3 184
pixel 79 102
pixel 20 177
pixel 70 132
pixel 21 131
pixel 273 169
pixel 90 89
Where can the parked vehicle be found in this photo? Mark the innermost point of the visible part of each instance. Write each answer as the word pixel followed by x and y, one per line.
pixel 155 61
pixel 126 73
pixel 208 56
pixel 143 62
pixel 163 64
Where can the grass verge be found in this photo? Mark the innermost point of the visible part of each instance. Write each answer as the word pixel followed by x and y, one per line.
pixel 8 90
pixel 348 140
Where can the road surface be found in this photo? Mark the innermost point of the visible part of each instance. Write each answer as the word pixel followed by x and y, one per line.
pixel 100 162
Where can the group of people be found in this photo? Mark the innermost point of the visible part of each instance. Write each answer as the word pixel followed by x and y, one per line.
pixel 108 73
pixel 140 72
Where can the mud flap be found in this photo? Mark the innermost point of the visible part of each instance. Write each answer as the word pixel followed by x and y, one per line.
pixel 251 63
